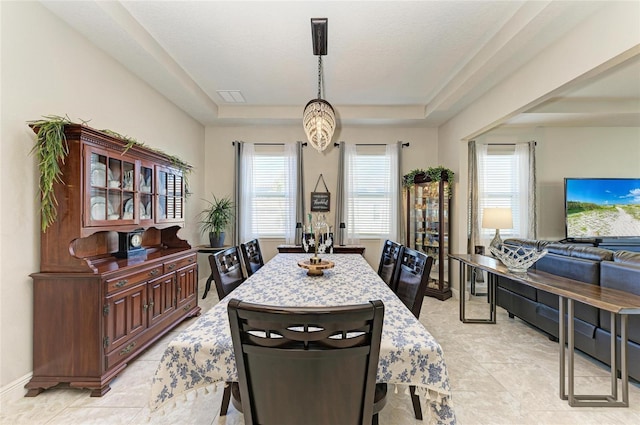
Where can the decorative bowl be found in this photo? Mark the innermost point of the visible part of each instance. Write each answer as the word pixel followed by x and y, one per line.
pixel 316 269
pixel 517 259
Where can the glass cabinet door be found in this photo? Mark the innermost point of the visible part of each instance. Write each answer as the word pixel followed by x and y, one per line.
pixel 111 194
pixel 146 192
pixel 428 220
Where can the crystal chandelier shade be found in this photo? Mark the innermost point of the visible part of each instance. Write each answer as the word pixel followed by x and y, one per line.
pixel 319 121
pixel 319 118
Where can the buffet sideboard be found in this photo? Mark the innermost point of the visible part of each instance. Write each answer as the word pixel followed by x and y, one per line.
pixel 114 274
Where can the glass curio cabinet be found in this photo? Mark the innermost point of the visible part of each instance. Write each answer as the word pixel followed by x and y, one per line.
pixel 429 230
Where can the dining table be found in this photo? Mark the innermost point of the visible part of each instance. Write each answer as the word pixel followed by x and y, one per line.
pixel 202 355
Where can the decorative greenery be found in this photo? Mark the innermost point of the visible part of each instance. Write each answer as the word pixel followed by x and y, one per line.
pixel 51 149
pixel 407 180
pixel 433 173
pixel 218 216
pixel 174 160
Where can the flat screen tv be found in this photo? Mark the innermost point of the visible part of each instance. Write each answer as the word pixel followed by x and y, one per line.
pixel 602 208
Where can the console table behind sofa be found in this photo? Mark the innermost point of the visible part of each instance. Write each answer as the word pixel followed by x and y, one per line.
pixel 596 266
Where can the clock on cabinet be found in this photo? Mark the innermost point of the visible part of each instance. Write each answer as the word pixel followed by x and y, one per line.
pixel 130 244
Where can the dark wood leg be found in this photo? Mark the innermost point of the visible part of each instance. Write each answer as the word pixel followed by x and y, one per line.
pixel 415 399
pixel 226 396
pixel 207 287
pixel 99 392
pixel 511 315
pixel 374 419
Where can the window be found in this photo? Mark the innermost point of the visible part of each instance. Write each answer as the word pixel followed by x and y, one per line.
pixel 268 193
pixel 503 182
pixel 371 191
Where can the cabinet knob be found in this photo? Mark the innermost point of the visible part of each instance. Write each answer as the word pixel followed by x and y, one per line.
pixel 121 283
pixel 154 272
pixel 172 266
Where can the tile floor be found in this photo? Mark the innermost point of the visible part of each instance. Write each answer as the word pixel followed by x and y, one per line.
pixel 500 374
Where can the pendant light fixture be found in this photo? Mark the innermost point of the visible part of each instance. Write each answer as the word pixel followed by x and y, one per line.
pixel 319 118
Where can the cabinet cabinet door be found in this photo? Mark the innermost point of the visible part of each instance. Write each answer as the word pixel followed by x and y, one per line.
pixel 170 195
pixel 110 195
pixel 187 287
pixel 162 298
pixel 126 316
pixel 146 192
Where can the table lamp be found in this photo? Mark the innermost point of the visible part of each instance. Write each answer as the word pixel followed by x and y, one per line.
pixel 497 218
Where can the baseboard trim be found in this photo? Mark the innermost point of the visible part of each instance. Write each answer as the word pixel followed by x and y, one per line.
pixel 15 390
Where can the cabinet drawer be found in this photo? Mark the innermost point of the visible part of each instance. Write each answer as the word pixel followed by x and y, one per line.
pixel 129 280
pixel 174 265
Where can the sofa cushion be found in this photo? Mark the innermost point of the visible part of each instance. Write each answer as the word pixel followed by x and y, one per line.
pixel 624 276
pixel 627 257
pixel 526 243
pixel 517 288
pixel 572 267
pixel 580 251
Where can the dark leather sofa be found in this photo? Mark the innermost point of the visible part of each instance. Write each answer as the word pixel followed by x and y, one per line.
pixel 595 266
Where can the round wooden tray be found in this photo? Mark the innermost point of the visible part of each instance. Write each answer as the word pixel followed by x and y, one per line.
pixel 316 269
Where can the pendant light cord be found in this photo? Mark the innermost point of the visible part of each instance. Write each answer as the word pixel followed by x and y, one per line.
pixel 319 76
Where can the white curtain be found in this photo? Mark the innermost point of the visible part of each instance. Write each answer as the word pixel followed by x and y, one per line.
pixel 521 162
pixel 483 236
pixel 291 157
pixel 247 193
pixel 506 178
pixel 350 154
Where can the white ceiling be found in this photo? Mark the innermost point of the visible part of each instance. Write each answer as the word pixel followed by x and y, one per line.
pixel 394 62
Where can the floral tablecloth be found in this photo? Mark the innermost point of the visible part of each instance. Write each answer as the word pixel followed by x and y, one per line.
pixel 202 355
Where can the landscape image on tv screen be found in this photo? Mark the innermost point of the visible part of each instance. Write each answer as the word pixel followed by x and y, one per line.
pixel 602 207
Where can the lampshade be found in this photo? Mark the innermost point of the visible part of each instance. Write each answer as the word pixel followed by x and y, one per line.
pixel 319 118
pixel 497 218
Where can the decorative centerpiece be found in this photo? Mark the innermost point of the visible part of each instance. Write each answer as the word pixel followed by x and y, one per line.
pixel 318 237
pixel 517 259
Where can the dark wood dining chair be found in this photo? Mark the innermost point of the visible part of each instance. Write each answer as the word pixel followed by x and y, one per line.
pixel 411 280
pixel 252 256
pixel 226 272
pixel 307 365
pixel 389 260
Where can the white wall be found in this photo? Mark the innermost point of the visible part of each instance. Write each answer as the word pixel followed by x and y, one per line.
pixel 422 153
pixel 48 69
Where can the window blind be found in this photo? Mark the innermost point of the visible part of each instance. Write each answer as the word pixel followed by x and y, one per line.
pixel 369 203
pixel 271 201
pixel 501 179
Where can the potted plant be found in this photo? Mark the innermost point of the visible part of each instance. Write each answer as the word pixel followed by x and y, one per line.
pixel 215 219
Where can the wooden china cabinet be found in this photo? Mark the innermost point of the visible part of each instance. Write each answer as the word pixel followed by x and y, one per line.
pixel 114 274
